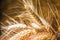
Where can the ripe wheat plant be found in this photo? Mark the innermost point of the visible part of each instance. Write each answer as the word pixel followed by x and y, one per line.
pixel 31 20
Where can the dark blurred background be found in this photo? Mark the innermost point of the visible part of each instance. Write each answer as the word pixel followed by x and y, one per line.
pixel 1 10
pixel 1 14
